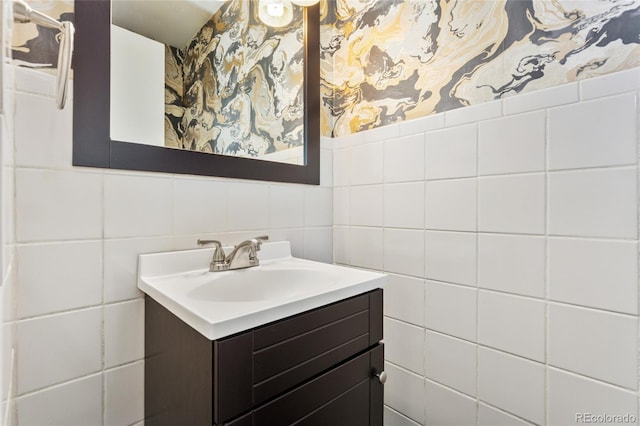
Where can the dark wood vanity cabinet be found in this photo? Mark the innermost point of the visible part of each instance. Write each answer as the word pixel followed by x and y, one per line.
pixel 315 368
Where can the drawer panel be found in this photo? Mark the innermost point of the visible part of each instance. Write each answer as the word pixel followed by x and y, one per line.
pixel 304 400
pixel 284 355
pixel 282 330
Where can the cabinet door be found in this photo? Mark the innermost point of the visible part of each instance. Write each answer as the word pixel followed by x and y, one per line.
pixel 347 395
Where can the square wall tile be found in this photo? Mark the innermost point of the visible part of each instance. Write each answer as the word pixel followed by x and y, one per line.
pixel 514 384
pixel 404 251
pixel 593 134
pixel 598 344
pixel 513 204
pixel 512 144
pixel 326 168
pixel 58 348
pixel 445 407
pixel 451 309
pixel 286 206
pixel 404 159
pixel 451 205
pixel 596 273
pixel 341 245
pixel 294 236
pixel 452 153
pixel 366 164
pixel 47 144
pixel 367 205
pixel 56 205
pixel 341 167
pixel 404 205
pixel 123 332
pixel 489 416
pixel 318 244
pixel 571 396
pixel 404 392
pixel 58 277
pixel 512 263
pixel 248 206
pixel 200 206
pixel 75 403
pixel 512 323
pixel 366 247
pixel 404 299
pixel 121 265
pixel 318 206
pixel 594 203
pixel 137 206
pixel 404 345
pixel 451 257
pixel 451 361
pixel 341 203
pixel 124 394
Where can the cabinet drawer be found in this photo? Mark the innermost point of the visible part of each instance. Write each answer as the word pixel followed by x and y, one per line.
pixel 292 351
pixel 347 395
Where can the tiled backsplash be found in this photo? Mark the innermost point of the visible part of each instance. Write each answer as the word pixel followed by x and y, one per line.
pixel 510 233
pixel 79 314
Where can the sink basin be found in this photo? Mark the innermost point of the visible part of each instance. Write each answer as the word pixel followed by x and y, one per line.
pixel 218 304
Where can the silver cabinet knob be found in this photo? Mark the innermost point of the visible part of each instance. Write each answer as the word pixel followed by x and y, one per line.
pixel 382 377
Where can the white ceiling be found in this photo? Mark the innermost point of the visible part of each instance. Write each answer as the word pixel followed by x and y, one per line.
pixel 173 22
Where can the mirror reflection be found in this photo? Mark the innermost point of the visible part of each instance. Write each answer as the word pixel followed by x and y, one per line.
pixel 223 83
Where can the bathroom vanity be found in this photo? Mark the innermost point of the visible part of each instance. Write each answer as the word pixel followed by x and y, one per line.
pixel 220 349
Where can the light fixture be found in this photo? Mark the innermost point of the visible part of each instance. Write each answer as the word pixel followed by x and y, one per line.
pixel 275 13
pixel 305 3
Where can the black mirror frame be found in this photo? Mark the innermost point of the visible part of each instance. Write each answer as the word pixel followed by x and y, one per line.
pixel 93 147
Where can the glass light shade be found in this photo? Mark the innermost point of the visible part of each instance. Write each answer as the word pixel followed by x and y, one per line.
pixel 305 3
pixel 275 13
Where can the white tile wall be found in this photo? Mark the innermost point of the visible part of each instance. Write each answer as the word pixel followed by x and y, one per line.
pixel 445 407
pixel 530 286
pixel 404 205
pixel 513 324
pixel 512 263
pixel 595 203
pixel 451 205
pixel 451 309
pixel 367 205
pixel 451 153
pixel 403 345
pixel 571 395
pixel 514 204
pixel 79 232
pixel 577 138
pixel 123 385
pixel 451 362
pixel 451 257
pixel 597 344
pixel 596 273
pixel 512 144
pixel 512 383
pixel 404 299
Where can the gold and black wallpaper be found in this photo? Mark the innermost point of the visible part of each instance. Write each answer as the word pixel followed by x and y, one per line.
pixel 242 85
pixel 392 60
pixel 382 61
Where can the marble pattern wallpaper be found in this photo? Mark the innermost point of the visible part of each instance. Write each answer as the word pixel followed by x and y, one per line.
pixel 390 60
pixel 242 85
pixel 382 61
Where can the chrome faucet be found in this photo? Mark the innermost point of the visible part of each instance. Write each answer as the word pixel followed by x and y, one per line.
pixel 243 255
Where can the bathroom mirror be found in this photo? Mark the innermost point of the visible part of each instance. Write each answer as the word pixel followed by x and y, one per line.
pixel 94 147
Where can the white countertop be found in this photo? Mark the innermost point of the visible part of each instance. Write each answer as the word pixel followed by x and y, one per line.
pixel 219 304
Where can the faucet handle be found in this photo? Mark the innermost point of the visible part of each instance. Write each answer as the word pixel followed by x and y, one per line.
pixel 218 254
pixel 260 239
